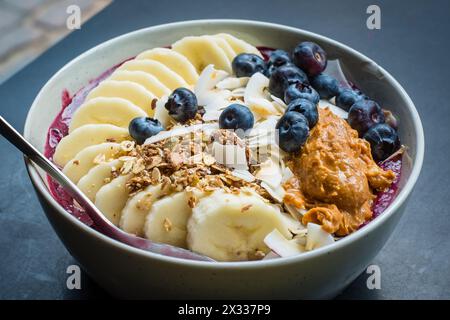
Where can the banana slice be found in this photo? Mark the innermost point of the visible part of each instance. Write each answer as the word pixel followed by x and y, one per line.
pixel 112 197
pixel 85 136
pixel 128 90
pixel 202 51
pixel 84 160
pixel 115 111
pixel 230 227
pixel 238 45
pixel 137 208
pixel 147 80
pixel 167 219
pixel 225 46
pixel 97 177
pixel 166 76
pixel 173 60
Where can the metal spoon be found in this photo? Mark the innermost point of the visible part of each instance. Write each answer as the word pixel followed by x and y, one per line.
pixel 102 224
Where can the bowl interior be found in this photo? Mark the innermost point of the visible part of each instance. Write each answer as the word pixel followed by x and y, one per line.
pixel 371 78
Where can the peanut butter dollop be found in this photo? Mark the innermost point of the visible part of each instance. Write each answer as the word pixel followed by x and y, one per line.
pixel 335 177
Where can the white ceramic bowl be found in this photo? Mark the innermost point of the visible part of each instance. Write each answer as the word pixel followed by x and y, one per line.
pixel 131 273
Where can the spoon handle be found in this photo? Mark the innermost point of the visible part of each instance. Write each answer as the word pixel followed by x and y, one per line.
pixel 101 222
pixel 33 154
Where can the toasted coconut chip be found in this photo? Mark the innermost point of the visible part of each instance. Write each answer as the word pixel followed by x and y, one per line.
pixel 270 173
pixel 256 97
pixel 295 212
pixel 244 175
pixel 278 103
pixel 238 93
pixel 317 237
pixel 212 115
pixel 282 246
pixel 205 89
pixel 179 131
pixel 232 83
pixel 214 108
pixel 293 224
pixel 277 194
pixel 341 113
pixel 287 174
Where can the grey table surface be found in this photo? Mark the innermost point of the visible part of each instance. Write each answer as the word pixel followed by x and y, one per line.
pixel 412 44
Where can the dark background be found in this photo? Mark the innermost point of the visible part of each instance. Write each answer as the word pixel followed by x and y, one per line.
pixel 412 44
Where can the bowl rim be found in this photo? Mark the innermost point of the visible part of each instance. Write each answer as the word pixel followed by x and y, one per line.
pixel 377 222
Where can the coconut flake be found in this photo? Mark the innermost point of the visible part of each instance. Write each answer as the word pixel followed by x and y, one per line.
pixel 282 246
pixel 256 96
pixel 295 212
pixel 244 175
pixel 214 108
pixel 276 193
pixel 293 224
pixel 270 173
pixel 317 237
pixel 278 103
pixel 205 88
pixel 341 113
pixel 180 131
pixel 232 83
pixel 238 93
pixel 287 174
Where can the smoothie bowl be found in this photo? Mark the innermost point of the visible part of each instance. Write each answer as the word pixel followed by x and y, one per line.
pixel 284 157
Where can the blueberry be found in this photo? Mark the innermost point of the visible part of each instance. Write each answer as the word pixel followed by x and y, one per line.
pixel 347 97
pixel 236 116
pixel 310 57
pixel 383 140
pixel 247 64
pixel 182 105
pixel 283 77
pixel 325 85
pixel 364 114
pixel 301 90
pixel 277 59
pixel 293 131
pixel 142 128
pixel 306 108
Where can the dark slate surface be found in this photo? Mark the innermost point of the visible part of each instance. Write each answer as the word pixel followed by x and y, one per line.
pixel 412 45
